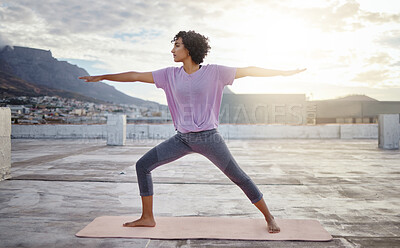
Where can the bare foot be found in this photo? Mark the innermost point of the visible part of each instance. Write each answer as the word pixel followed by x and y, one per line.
pixel 142 222
pixel 272 226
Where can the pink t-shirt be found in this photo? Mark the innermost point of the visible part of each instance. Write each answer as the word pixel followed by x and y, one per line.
pixel 194 99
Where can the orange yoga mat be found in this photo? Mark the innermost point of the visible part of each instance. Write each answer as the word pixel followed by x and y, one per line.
pixel 206 228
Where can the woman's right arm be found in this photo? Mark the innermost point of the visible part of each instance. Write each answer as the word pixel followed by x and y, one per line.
pixel 132 76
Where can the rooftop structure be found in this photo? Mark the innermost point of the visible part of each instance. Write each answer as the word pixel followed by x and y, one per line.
pixel 295 109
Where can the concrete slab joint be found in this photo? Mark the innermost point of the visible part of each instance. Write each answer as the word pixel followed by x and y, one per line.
pixel 389 131
pixel 5 143
pixel 116 130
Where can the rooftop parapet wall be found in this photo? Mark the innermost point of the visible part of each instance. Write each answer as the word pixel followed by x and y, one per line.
pixel 389 133
pixel 5 143
pixel 163 131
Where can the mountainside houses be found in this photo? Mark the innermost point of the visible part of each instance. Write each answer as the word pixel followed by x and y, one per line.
pixel 53 110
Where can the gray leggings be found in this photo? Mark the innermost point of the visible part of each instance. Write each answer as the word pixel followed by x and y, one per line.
pixel 208 143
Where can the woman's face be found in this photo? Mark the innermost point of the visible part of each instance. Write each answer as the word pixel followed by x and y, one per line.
pixel 179 51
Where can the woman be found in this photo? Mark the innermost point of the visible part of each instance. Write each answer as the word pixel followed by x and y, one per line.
pixel 194 94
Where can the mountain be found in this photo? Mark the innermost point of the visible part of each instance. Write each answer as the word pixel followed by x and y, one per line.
pixel 356 98
pixel 11 86
pixel 40 68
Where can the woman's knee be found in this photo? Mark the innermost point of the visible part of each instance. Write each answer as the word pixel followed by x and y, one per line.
pixel 144 164
pixel 140 166
pixel 235 173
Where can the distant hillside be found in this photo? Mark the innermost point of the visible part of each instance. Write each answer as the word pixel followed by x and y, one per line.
pixel 40 68
pixel 11 86
pixel 355 98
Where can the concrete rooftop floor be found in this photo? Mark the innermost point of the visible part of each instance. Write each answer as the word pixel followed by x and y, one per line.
pixel 59 186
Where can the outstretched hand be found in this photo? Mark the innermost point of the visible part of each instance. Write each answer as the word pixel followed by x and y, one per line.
pixel 292 72
pixel 91 78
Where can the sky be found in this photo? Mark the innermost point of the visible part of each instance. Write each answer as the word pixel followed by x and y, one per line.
pixel 348 47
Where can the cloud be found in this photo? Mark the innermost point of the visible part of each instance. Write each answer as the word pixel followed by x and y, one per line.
pixel 335 17
pixel 381 58
pixel 91 30
pixel 380 18
pixel 16 14
pixel 339 17
pixel 4 42
pixel 76 16
pixel 58 24
pixel 372 77
pixel 391 39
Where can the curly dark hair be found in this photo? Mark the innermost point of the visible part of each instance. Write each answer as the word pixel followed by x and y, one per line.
pixel 195 43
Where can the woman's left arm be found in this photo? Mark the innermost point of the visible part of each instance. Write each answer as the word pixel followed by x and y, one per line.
pixel 253 71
